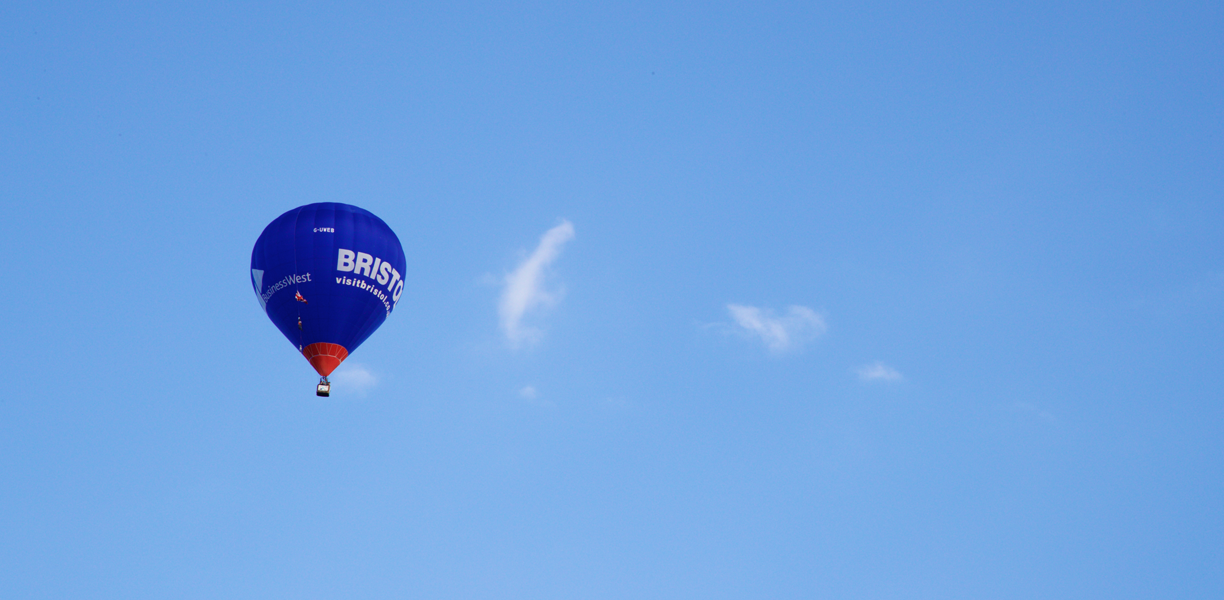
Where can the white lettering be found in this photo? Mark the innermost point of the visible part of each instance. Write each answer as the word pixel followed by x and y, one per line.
pixel 384 273
pixel 346 260
pixel 363 264
pixel 287 281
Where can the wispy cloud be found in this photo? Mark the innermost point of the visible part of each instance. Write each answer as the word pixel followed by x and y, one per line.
pixel 779 333
pixel 878 371
pixel 352 377
pixel 524 290
pixel 531 397
pixel 1032 409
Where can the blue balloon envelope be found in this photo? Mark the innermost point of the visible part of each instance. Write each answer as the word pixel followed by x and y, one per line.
pixel 328 275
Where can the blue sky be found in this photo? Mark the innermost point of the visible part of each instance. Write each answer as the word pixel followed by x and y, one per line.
pixel 704 301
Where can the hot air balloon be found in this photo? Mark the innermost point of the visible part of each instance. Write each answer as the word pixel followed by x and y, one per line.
pixel 328 275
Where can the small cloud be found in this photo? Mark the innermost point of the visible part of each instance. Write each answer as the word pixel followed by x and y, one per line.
pixel 798 326
pixel 878 371
pixel 353 377
pixel 524 287
pixel 1031 409
pixel 531 397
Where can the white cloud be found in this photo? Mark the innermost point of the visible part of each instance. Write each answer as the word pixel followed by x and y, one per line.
pixel 352 377
pixel 531 397
pixel 790 331
pixel 878 371
pixel 524 289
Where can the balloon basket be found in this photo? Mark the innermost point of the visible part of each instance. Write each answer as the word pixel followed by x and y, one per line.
pixel 324 388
